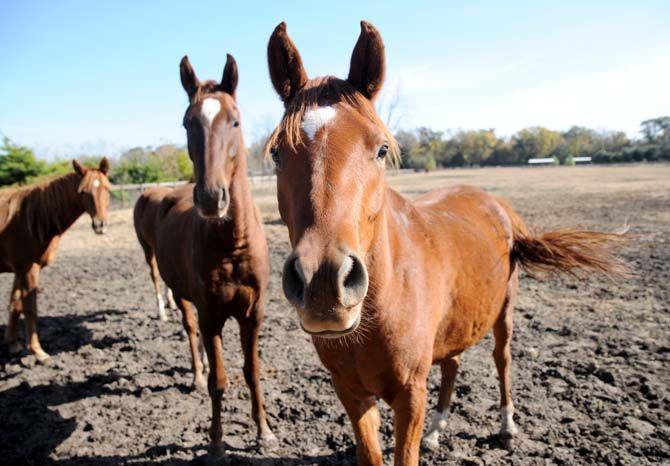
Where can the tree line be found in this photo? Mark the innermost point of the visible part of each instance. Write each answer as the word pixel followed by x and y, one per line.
pixel 421 149
pixel 427 149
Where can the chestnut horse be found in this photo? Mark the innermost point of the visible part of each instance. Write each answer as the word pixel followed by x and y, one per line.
pixel 388 287
pixel 209 243
pixel 32 220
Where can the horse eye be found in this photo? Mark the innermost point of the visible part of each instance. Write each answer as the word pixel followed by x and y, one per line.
pixel 236 124
pixel 276 158
pixel 383 150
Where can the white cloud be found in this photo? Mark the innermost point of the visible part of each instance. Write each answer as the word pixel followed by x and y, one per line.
pixel 501 96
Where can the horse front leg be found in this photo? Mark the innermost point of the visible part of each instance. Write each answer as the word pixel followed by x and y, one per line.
pixel 15 310
pixel 409 410
pixel 364 417
pixel 211 326
pixel 29 296
pixel 249 328
pixel 190 323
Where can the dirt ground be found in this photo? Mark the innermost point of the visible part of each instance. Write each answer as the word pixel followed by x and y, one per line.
pixel 591 369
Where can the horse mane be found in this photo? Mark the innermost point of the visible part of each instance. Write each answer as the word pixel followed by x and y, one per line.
pixel 42 205
pixel 327 90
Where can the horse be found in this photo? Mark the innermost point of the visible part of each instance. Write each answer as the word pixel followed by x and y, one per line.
pixel 208 241
pixel 388 287
pixel 148 214
pixel 145 221
pixel 32 220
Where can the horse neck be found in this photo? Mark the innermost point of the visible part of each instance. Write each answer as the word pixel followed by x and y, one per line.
pixel 389 241
pixel 242 211
pixel 56 206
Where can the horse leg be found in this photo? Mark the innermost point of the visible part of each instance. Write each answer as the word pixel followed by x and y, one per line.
pixel 15 309
pixel 409 411
pixel 203 354
pixel 155 278
pixel 170 298
pixel 30 308
pixel 449 368
pixel 364 418
pixel 502 355
pixel 190 324
pixel 211 327
pixel 249 327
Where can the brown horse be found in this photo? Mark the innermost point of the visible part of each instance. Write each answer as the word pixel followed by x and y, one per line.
pixel 32 220
pixel 387 286
pixel 209 243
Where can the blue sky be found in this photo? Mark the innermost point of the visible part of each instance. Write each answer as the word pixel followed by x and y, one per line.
pixel 90 76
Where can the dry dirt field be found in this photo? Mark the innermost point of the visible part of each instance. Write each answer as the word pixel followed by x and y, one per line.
pixel 591 370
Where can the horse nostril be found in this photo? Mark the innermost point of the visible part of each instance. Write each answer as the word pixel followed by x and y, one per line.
pixel 352 281
pixel 293 281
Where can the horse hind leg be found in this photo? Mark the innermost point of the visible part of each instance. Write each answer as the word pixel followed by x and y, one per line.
pixel 170 298
pixel 502 355
pixel 155 278
pixel 449 368
pixel 15 310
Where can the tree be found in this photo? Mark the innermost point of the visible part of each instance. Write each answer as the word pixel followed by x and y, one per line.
pixel 656 129
pixel 18 164
pixel 408 144
pixel 538 142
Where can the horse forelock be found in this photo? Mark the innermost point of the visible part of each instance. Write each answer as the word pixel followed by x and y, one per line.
pixel 93 179
pixel 318 93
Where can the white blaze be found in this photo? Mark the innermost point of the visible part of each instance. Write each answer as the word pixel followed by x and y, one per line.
pixel 316 118
pixel 210 109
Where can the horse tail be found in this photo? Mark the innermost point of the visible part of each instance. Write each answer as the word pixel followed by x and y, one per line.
pixel 568 250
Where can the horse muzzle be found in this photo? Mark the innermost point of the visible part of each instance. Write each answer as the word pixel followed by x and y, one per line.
pixel 212 203
pixel 328 296
pixel 98 226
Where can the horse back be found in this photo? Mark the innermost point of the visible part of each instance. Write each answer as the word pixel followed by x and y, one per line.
pixel 151 207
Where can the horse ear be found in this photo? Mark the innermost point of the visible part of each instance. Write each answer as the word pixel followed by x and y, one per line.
pixel 229 79
pixel 189 80
pixel 286 70
pixel 78 168
pixel 104 165
pixel 368 63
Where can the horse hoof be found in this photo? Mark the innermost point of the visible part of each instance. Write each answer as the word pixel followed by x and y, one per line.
pixel 268 442
pixel 431 442
pixel 216 451
pixel 200 385
pixel 43 358
pixel 16 348
pixel 507 443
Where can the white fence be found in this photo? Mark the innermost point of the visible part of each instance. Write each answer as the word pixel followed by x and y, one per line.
pixel 126 194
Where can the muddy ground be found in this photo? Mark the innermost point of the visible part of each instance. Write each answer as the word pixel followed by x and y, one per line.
pixel 590 377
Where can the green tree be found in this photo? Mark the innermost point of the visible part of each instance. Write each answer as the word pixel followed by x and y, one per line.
pixel 18 164
pixel 656 129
